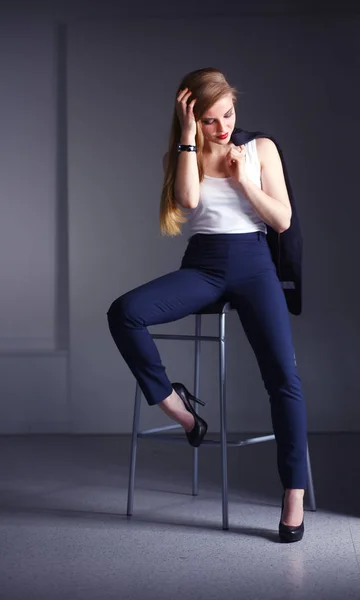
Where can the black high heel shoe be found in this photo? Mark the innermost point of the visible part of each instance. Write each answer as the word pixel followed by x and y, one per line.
pixel 287 533
pixel 196 435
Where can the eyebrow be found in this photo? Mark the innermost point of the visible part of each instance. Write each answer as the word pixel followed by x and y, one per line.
pixel 224 114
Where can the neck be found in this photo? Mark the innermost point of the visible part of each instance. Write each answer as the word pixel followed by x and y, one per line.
pixel 215 150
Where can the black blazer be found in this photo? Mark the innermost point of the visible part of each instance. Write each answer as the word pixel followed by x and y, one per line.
pixel 286 247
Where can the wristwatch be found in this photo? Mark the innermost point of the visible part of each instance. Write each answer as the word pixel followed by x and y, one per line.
pixel 186 148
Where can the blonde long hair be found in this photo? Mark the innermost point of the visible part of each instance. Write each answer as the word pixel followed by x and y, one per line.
pixel 207 86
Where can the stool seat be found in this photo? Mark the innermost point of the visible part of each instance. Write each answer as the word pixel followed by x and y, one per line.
pixel 222 306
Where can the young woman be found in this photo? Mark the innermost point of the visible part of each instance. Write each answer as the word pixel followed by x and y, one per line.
pixel 230 195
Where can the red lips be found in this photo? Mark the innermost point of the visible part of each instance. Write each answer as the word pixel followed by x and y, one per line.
pixel 223 137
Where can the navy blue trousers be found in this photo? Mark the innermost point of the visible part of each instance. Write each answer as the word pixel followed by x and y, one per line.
pixel 239 267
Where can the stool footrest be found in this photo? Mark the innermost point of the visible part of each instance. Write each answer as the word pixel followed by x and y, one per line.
pixel 191 338
pixel 237 443
pixel 156 434
pixel 156 430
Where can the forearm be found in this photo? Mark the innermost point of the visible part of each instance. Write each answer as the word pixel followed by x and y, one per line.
pixel 273 212
pixel 187 187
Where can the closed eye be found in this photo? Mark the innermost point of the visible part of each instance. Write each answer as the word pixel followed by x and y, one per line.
pixel 211 121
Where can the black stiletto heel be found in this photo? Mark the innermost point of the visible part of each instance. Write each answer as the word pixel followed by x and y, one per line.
pixel 196 435
pixel 287 533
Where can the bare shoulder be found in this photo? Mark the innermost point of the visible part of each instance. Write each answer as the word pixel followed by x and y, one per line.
pixel 165 161
pixel 272 172
pixel 266 149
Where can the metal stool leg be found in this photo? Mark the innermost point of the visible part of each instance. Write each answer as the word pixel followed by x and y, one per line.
pixel 134 439
pixel 195 483
pixel 223 434
pixel 310 489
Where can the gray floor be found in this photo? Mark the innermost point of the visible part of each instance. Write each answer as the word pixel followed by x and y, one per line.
pixel 64 532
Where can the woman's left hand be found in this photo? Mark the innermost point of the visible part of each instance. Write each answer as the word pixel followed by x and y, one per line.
pixel 235 159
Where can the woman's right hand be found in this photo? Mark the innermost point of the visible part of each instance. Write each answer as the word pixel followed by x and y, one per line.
pixel 184 111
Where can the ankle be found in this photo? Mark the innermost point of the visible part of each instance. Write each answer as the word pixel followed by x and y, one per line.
pixel 174 408
pixel 294 493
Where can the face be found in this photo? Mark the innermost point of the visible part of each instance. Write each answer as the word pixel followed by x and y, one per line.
pixel 218 122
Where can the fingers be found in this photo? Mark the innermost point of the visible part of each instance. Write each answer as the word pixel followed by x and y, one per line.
pixel 236 153
pixel 183 93
pixel 236 150
pixel 184 110
pixel 191 104
pixel 183 98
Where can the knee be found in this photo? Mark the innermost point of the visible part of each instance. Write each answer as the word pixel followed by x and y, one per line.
pixel 282 380
pixel 288 386
pixel 116 311
pixel 120 311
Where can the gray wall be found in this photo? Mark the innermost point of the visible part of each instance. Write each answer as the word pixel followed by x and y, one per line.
pixel 83 242
pixel 33 361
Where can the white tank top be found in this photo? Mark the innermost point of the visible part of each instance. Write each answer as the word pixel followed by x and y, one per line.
pixel 222 207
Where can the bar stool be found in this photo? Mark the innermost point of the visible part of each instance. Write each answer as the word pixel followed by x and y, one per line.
pixel 220 308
